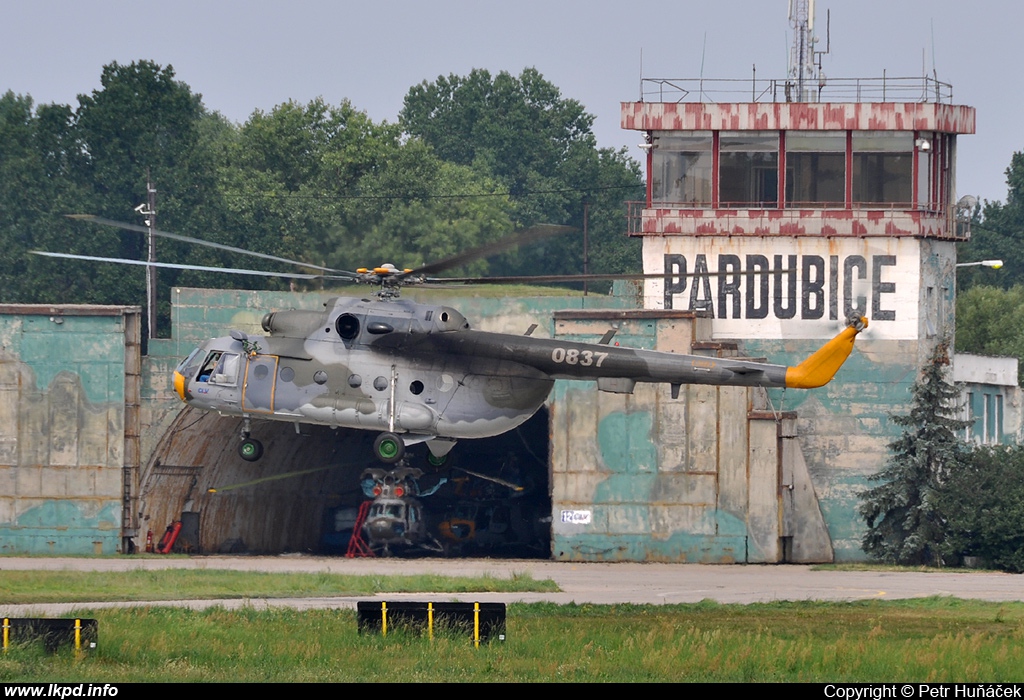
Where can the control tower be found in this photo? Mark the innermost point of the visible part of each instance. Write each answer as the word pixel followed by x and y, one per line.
pixel 777 208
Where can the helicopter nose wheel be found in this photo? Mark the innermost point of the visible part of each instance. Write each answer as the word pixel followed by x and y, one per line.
pixel 250 449
pixel 389 448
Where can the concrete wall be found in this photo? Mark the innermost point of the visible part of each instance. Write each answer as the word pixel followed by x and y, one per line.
pixel 719 474
pixel 716 475
pixel 64 448
pixel 709 476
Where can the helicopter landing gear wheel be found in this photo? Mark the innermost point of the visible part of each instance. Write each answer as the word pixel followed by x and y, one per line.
pixel 436 461
pixel 389 448
pixel 250 449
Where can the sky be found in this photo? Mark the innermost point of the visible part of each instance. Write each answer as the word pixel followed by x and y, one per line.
pixel 242 56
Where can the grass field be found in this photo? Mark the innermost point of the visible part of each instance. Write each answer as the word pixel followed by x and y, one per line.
pixel 938 639
pixel 934 639
pixel 180 584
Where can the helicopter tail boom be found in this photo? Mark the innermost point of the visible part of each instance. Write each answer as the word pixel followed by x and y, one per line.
pixel 818 369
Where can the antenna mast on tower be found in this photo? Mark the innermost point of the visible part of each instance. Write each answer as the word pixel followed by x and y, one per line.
pixel 804 71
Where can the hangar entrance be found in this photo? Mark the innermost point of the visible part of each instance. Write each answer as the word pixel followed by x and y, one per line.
pixel 490 498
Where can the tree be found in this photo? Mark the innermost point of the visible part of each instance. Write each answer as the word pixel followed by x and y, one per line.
pixel 37 184
pixel 427 210
pixel 905 523
pixel 996 234
pixel 983 507
pixel 347 191
pixel 990 321
pixel 141 121
pixel 25 190
pixel 521 132
pixel 316 145
pixel 312 182
pixel 519 127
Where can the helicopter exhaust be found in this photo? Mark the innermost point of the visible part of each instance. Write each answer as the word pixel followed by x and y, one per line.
pixel 292 323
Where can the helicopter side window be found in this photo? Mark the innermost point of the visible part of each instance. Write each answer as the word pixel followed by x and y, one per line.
pixel 211 362
pixel 226 371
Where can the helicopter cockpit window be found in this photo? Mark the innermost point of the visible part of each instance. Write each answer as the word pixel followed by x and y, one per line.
pixel 387 510
pixel 226 371
pixel 189 364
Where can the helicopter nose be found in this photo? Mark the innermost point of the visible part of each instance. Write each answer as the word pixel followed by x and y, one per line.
pixel 179 385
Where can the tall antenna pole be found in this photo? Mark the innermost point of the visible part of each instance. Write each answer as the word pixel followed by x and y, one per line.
pixel 149 211
pixel 801 58
pixel 586 244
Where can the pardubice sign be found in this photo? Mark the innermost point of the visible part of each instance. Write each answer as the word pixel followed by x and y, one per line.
pixel 796 290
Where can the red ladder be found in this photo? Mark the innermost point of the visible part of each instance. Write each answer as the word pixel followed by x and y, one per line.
pixel 357 546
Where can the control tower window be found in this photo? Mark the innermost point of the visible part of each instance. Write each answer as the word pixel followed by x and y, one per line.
pixel 815 169
pixel 749 169
pixel 883 168
pixel 682 169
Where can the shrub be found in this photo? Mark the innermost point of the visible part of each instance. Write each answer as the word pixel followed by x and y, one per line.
pixel 982 505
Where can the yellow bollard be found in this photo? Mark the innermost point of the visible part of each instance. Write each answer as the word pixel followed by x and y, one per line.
pixel 476 625
pixel 383 619
pixel 430 621
pixel 7 633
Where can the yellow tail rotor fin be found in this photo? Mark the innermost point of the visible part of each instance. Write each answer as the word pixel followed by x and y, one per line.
pixel 818 369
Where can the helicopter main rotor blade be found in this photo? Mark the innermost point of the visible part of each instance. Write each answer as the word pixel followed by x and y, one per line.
pixel 530 235
pixel 596 277
pixel 485 477
pixel 92 218
pixel 198 268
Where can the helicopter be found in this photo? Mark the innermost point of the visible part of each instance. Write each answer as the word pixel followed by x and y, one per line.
pixel 479 519
pixel 418 372
pixel 395 517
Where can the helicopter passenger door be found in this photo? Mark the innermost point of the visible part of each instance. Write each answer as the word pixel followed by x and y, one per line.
pixel 260 378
